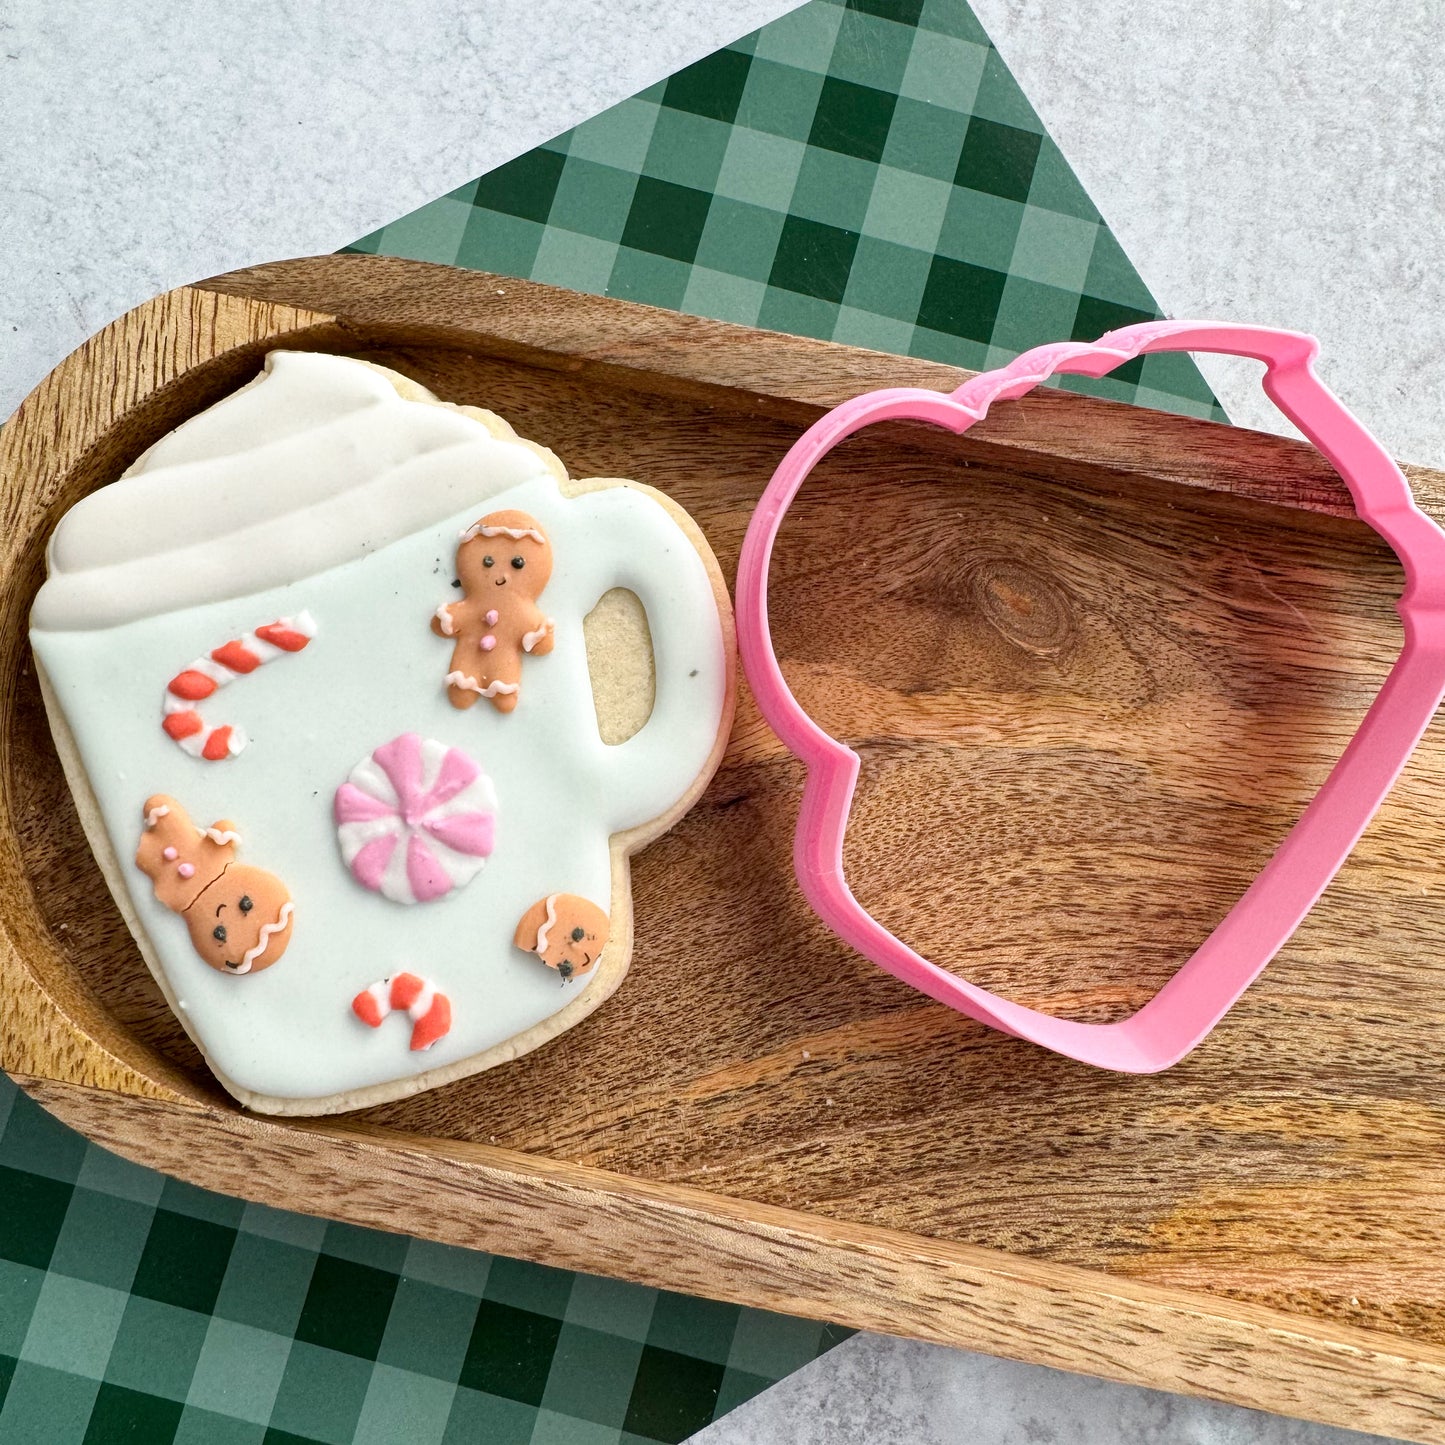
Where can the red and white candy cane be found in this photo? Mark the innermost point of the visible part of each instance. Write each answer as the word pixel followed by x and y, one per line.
pixel 230 660
pixel 428 1008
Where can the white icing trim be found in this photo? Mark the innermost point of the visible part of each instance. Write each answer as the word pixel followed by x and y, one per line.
pixel 515 533
pixel 548 924
pixel 267 929
pixel 470 684
pixel 218 835
pixel 531 639
pixel 444 617
pixel 156 814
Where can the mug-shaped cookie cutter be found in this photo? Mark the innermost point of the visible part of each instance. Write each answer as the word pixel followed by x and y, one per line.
pixel 1199 994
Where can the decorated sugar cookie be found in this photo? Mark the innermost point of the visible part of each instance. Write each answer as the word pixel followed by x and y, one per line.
pixel 503 563
pixel 292 541
pixel 238 916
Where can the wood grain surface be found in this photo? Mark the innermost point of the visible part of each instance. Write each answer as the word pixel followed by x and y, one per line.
pixel 1095 660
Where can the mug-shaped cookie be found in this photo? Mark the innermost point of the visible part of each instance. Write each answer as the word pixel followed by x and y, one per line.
pixel 270 619
pixel 1199 994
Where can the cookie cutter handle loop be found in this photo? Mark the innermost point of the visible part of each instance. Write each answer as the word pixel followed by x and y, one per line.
pixel 1192 1002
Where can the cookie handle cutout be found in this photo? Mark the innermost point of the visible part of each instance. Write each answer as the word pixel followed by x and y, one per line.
pixel 1188 1006
pixel 646 776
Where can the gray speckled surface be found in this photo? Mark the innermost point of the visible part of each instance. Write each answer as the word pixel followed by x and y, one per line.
pixel 1266 160
pixel 1260 159
pixel 877 1391
pixel 145 145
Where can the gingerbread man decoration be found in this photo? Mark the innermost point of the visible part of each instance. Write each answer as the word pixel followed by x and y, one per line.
pixel 503 563
pixel 239 916
pixel 566 932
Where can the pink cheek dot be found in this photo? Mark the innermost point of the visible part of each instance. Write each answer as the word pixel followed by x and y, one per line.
pixel 186 870
pixel 492 617
pixel 169 854
pixel 488 643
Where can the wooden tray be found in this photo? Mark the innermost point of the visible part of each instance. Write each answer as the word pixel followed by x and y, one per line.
pixel 1096 658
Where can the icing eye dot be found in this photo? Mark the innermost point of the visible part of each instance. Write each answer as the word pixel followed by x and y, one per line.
pixel 245 904
pixel 488 561
pixel 519 563
pixel 219 933
pixel 578 934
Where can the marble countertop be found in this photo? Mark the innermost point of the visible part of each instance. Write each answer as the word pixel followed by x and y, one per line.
pixel 1259 159
pixel 873 1390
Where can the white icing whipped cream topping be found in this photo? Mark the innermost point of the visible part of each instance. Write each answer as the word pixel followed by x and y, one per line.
pixel 314 463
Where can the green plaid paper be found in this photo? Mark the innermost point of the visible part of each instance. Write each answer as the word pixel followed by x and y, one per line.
pixel 867 173
pixel 137 1308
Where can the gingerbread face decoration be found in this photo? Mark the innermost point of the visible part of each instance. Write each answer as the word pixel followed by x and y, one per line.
pixel 566 932
pixel 239 916
pixel 503 563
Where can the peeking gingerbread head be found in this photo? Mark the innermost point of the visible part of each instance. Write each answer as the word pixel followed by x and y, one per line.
pixel 503 563
pixel 566 932
pixel 239 916
pixel 505 550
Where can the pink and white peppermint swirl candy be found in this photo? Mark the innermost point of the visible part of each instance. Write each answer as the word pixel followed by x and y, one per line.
pixel 416 819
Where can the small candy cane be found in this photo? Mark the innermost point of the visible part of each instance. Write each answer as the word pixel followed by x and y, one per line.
pixel 429 1010
pixel 230 660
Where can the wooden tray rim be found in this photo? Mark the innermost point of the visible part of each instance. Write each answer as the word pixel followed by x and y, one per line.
pixel 71 1056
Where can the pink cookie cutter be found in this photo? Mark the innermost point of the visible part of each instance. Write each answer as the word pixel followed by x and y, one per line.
pixel 1178 1017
